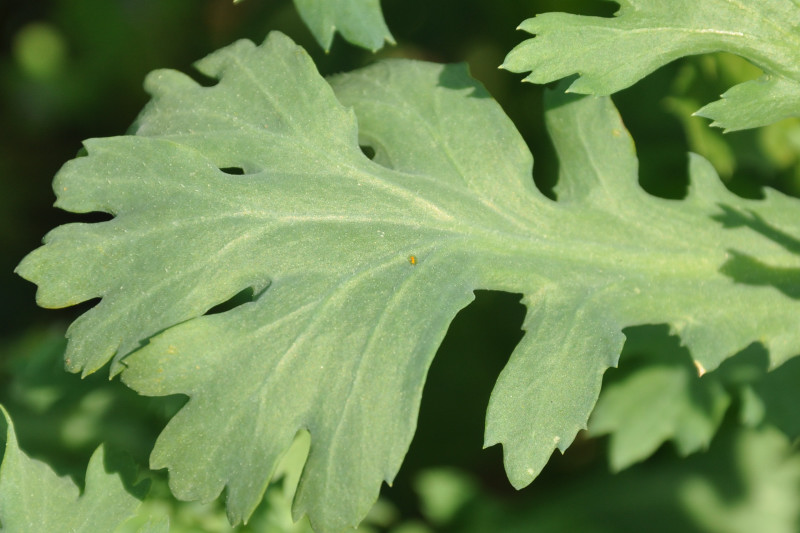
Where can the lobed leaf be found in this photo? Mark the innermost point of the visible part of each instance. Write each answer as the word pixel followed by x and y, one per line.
pixel 358 266
pixel 34 498
pixel 754 103
pixel 359 21
pixel 610 54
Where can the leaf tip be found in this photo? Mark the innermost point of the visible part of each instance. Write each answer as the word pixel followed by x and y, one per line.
pixel 700 368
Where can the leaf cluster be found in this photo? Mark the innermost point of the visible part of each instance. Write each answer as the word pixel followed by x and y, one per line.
pixel 285 252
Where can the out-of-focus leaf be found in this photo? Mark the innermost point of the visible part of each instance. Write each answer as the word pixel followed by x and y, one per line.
pixel 359 21
pixel 64 418
pixel 657 395
pixel 663 399
pixel 34 498
pixel 779 393
pixel 748 481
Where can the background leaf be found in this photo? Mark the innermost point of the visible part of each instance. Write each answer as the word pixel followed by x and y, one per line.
pixel 722 490
pixel 610 54
pixel 34 498
pixel 359 21
pixel 660 398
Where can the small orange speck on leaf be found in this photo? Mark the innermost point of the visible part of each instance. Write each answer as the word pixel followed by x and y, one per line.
pixel 412 259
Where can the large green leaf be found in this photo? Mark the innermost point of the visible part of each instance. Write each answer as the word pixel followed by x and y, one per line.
pixel 34 498
pixel 610 54
pixel 358 266
pixel 359 21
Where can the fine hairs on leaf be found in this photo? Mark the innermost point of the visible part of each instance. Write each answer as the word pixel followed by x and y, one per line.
pixel 343 323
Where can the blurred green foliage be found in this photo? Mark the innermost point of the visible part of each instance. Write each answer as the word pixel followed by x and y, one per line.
pixel 73 69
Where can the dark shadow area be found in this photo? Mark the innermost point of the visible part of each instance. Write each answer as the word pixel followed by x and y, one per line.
pixel 233 171
pixel 201 79
pixel 746 367
pixel 66 217
pixel 780 393
pixel 749 271
pixel 662 150
pixel 453 409
pixel 242 297
pixel 119 462
pixel 457 77
pixel 745 185
pixel 733 218
pixel 3 435
pixel 368 151
pixel 555 95
pixel 546 165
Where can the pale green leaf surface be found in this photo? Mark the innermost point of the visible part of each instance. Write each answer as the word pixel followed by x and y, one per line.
pixel 610 54
pixel 34 498
pixel 344 325
pixel 359 21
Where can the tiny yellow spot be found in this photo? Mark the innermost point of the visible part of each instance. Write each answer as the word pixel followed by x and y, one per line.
pixel 615 132
pixel 412 259
pixel 172 349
